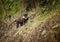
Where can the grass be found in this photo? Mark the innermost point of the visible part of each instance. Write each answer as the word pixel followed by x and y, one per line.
pixel 30 26
pixel 56 27
pixel 41 17
pixel 35 22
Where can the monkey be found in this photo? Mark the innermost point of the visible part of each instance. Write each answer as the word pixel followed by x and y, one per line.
pixel 17 23
pixel 21 21
pixel 24 19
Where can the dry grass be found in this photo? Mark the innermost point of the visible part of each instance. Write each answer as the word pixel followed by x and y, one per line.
pixel 39 29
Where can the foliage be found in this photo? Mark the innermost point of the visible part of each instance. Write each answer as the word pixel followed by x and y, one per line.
pixel 8 7
pixel 56 27
pixel 12 6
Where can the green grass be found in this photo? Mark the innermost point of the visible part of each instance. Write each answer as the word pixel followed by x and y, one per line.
pixel 56 27
pixel 41 17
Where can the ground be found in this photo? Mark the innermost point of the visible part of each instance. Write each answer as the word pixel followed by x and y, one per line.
pixel 37 29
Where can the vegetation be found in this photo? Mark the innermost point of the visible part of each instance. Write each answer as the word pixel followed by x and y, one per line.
pixel 43 21
pixel 12 6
